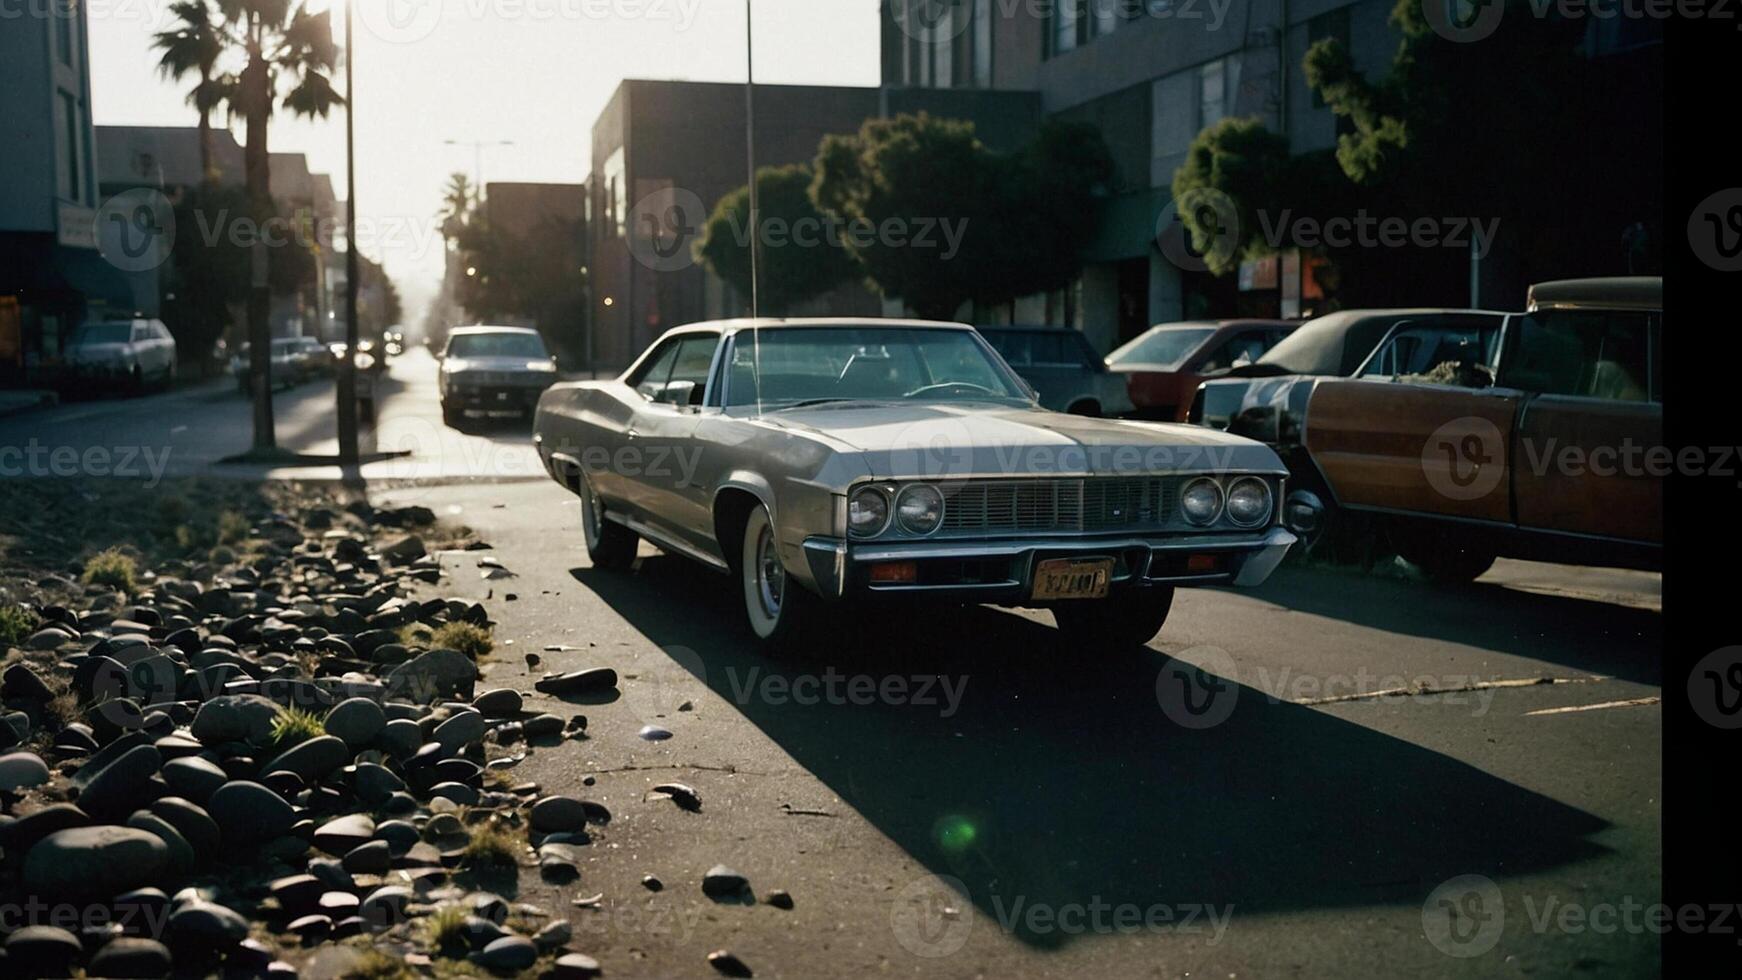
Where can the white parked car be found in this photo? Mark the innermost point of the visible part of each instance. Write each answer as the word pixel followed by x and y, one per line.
pixel 134 352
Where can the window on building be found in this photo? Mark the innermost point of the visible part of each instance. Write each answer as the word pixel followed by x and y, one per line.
pixel 1212 92
pixel 68 144
pixel 1066 23
pixel 66 25
pixel 1333 25
pixel 616 195
pixel 1104 16
pixel 982 34
pixel 940 41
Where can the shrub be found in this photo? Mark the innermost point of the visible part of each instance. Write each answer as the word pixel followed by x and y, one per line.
pixel 233 528
pixel 491 844
pixel 472 640
pixel 445 929
pixel 16 623
pixel 112 569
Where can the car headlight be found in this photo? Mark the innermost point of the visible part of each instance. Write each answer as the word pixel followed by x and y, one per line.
pixel 1202 501
pixel 1249 501
pixel 919 509
pixel 867 512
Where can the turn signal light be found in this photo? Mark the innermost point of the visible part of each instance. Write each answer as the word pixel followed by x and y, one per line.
pixel 894 571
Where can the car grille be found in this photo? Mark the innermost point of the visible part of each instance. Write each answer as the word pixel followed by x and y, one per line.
pixel 1082 505
pixel 516 378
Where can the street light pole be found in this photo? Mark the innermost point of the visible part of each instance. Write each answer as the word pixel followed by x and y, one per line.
pixel 478 160
pixel 347 380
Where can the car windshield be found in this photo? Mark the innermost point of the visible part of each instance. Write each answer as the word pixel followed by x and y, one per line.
pixel 1162 346
pixel 809 365
pixel 112 332
pixel 525 345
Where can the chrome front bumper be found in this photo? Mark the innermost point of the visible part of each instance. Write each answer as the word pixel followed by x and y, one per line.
pixel 1001 570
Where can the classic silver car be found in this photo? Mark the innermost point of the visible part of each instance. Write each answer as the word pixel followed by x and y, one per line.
pixel 490 370
pixel 822 460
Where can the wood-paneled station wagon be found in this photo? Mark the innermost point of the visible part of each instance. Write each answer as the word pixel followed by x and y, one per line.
pixel 901 460
pixel 1549 446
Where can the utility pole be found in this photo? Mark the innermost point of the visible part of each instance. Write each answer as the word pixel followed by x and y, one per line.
pixel 347 380
pixel 478 147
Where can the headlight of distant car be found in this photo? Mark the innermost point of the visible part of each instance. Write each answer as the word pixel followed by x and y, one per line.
pixel 1202 501
pixel 867 512
pixel 919 509
pixel 542 367
pixel 1249 501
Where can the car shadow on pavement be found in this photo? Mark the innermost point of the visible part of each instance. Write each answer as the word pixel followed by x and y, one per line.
pixel 1057 782
pixel 1591 635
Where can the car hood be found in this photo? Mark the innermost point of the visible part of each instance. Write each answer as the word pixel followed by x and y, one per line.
pixel 96 352
pixel 908 441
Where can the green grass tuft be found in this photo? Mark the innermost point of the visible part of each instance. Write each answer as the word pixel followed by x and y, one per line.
pixel 293 725
pixel 373 964
pixel 112 569
pixel 445 929
pixel 471 640
pixel 233 528
pixel 16 623
pixel 492 844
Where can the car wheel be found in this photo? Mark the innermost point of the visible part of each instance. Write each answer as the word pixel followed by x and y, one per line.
pixel 1119 622
pixel 610 545
pixel 1442 558
pixel 779 609
pixel 136 381
pixel 1090 409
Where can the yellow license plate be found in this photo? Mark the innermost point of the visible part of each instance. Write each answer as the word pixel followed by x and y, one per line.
pixel 1072 578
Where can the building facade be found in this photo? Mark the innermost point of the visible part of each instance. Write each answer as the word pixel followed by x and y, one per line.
pixel 52 273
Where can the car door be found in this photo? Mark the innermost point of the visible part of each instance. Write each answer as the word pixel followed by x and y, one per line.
pixel 165 347
pixel 662 443
pixel 1055 370
pixel 1590 423
pixel 1397 438
pixel 615 416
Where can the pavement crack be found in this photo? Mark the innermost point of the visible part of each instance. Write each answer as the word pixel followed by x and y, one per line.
pixel 1629 703
pixel 794 811
pixel 733 770
pixel 1426 690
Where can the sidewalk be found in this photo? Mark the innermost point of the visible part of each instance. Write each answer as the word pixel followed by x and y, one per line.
pixel 13 400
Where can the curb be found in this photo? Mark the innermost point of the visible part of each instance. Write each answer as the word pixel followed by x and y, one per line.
pixel 13 406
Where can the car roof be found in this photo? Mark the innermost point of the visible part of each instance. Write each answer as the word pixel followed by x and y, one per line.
pixel 1606 293
pixel 1026 328
pixel 786 323
pixel 485 328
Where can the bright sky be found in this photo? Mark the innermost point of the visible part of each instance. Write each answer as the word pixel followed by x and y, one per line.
pixel 536 72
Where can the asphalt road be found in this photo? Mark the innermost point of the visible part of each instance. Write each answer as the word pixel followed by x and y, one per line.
pixel 951 793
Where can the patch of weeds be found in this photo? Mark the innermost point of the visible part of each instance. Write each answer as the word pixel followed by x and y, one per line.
pixel 113 569
pixel 373 964
pixel 16 623
pixel 470 639
pixel 233 528
pixel 445 930
pixel 492 844
pixel 415 635
pixel 294 725
pixel 498 779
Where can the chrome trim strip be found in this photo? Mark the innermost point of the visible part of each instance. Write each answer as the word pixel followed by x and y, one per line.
pixel 902 550
pixel 667 543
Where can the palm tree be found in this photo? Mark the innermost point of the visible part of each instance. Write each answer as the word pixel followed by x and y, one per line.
pixel 456 204
pixel 193 46
pixel 282 47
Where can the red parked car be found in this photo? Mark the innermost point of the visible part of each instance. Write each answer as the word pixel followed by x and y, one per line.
pixel 1164 366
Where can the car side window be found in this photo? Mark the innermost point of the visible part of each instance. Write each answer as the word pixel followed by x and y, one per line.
pixel 1242 348
pixel 1425 353
pixel 141 333
pixel 650 379
pixel 1013 347
pixel 695 354
pixel 1584 353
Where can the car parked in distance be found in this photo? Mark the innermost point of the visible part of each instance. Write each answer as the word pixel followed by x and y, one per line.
pixel 1469 454
pixel 493 369
pixel 287 364
pixel 1063 369
pixel 1164 365
pixel 816 461
pixel 131 353
pixel 315 359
